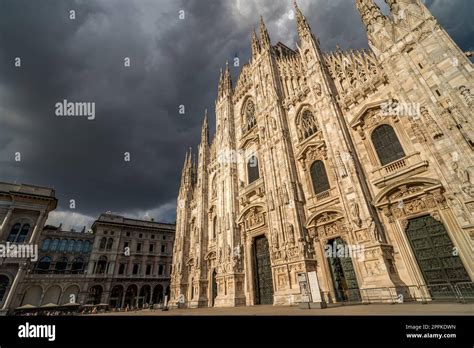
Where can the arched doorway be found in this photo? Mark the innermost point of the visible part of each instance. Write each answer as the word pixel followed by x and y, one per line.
pixel 144 295
pixel 214 287
pixel 116 295
pixel 435 254
pixel 95 295
pixel 263 272
pixel 157 294
pixel 344 278
pixel 131 296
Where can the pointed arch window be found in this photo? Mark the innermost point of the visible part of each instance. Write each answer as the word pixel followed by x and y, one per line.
pixel 306 125
pixel 319 177
pixel 249 112
pixel 252 169
pixel 387 145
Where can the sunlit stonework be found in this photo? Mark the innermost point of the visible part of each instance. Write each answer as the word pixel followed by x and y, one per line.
pixel 332 155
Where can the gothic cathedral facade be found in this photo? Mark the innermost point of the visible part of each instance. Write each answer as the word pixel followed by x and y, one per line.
pixel 316 150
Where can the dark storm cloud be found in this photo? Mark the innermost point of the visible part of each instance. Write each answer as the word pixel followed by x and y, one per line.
pixel 173 62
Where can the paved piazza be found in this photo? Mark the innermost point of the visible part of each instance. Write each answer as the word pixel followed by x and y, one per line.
pixel 371 309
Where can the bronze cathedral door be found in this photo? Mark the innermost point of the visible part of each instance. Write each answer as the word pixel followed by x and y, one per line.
pixel 435 253
pixel 263 272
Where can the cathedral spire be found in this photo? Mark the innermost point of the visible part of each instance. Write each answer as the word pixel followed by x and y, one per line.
pixel 255 44
pixel 301 23
pixel 225 82
pixel 186 174
pixel 264 37
pixel 205 130
pixel 370 13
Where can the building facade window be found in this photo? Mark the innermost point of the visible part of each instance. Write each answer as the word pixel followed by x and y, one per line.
pixel 46 244
pixel 62 245
pixel 25 229
pixel 306 125
pixel 319 177
pixel 252 169
pixel 101 267
pixel 78 246
pixel 102 243
pixel 110 242
pixel 70 246
pixel 54 245
pixel 43 264
pixel 163 248
pixel 387 145
pixel 214 227
pixel 87 247
pixel 61 265
pixel 77 265
pixel 121 269
pixel 14 232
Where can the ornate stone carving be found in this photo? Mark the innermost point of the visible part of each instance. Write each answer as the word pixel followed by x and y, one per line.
pixel 433 128
pixel 356 214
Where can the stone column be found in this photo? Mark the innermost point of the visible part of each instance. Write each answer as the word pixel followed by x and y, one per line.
pixel 6 221
pixel 39 224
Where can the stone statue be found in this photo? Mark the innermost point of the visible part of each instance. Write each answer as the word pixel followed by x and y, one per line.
pixel 356 214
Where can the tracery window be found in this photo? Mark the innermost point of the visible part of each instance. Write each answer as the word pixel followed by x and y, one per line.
pixel 319 177
pixel 306 125
pixel 387 145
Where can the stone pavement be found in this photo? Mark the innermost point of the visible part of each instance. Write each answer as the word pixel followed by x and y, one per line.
pixel 369 309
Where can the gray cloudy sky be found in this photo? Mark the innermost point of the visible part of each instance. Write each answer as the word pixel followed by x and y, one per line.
pixel 173 62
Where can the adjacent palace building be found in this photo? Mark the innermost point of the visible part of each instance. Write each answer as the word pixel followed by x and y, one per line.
pixel 120 262
pixel 368 150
